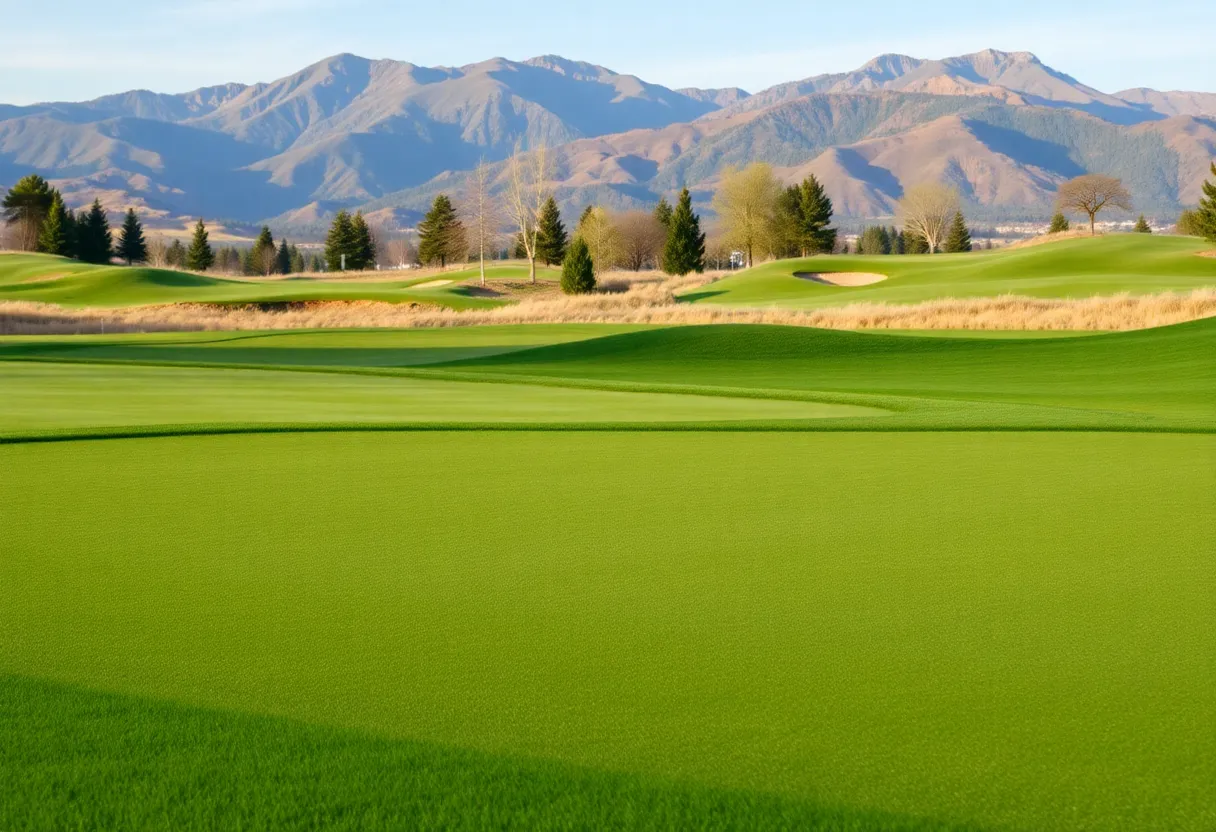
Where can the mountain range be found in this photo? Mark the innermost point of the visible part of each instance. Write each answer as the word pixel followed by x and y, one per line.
pixel 386 135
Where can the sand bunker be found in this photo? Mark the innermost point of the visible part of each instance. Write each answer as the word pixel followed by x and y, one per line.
pixel 431 284
pixel 842 278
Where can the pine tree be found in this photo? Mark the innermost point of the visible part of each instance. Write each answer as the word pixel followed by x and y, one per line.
pixel 317 264
pixel 578 272
pixel 1059 223
pixel 264 254
pixel 663 212
pixel 1205 212
pixel 200 257
pixel 958 239
pixel 131 245
pixel 282 258
pixel 363 250
pixel 440 234
pixel 55 229
pixel 519 250
pixel 297 261
pixel 897 241
pixel 338 242
pixel 551 238
pixel 94 243
pixel 818 235
pixel 684 251
pixel 1142 226
pixel 25 206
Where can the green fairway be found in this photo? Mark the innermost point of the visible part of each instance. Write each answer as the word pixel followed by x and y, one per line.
pixel 36 277
pixel 1003 630
pixel 1136 263
pixel 712 577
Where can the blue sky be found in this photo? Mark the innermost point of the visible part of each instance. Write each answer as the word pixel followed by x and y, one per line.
pixel 72 50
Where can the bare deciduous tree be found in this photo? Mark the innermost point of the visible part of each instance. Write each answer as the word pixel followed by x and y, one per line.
pixel 527 190
pixel 399 252
pixel 600 233
pixel 1090 193
pixel 483 217
pixel 926 211
pixel 746 202
pixel 642 237
pixel 158 252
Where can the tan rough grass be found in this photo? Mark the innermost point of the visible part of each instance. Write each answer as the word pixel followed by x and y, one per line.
pixel 644 302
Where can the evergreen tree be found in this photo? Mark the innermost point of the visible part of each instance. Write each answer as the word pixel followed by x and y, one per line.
pixel 297 261
pixel 317 264
pixel 578 272
pixel 54 237
pixel 175 256
pixel 93 240
pixel 551 239
pixel 131 244
pixel 587 212
pixel 200 257
pixel 339 241
pixel 897 240
pixel 1142 226
pixel 264 254
pixel 1205 212
pixel 914 243
pixel 26 206
pixel 282 259
pixel 440 234
pixel 874 240
pixel 817 234
pixel 1059 223
pixel 663 212
pixel 684 251
pixel 788 235
pixel 363 251
pixel 247 265
pixel 958 239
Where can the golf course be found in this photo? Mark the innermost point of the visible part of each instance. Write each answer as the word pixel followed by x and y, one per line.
pixel 587 576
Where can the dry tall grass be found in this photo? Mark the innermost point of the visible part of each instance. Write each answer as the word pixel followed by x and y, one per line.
pixel 647 301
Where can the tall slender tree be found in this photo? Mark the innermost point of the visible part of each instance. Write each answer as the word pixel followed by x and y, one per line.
pixel 55 236
pixel 282 258
pixel 131 244
pixel 200 257
pixel 663 212
pixel 175 255
pixel 363 248
pixel 551 238
pixel 94 243
pixel 958 238
pixel 684 251
pixel 818 236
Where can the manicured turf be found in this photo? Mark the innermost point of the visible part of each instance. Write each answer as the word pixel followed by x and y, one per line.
pixel 1007 630
pixel 1135 263
pixel 944 612
pixel 35 277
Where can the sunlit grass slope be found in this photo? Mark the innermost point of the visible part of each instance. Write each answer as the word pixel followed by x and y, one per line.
pixel 56 280
pixel 1137 263
pixel 1007 631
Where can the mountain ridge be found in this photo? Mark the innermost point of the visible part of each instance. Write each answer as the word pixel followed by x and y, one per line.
pixel 385 134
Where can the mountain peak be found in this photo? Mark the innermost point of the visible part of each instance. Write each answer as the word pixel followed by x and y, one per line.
pixel 578 70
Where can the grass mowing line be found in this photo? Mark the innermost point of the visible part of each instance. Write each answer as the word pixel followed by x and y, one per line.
pixel 140 759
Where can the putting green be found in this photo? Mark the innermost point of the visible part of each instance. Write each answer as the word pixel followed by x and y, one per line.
pixel 1136 263
pixel 1000 630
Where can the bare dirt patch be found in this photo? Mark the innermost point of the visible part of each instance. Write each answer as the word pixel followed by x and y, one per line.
pixel 842 278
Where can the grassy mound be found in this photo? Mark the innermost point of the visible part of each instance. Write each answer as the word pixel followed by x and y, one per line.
pixel 1136 263
pixel 44 279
